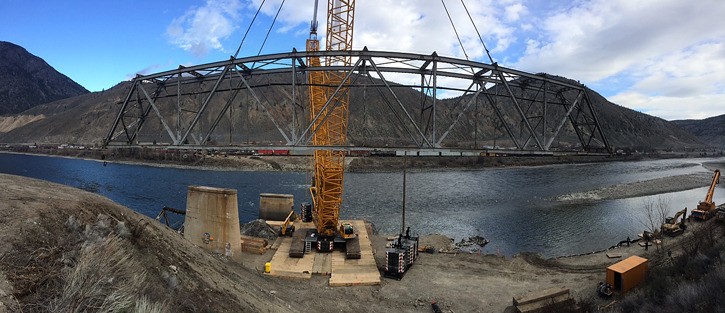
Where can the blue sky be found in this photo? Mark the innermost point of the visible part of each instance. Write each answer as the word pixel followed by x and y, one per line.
pixel 662 57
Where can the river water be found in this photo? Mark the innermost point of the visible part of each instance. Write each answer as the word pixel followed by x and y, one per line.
pixel 512 207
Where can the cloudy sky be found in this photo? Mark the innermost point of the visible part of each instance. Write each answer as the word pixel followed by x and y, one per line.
pixel 662 57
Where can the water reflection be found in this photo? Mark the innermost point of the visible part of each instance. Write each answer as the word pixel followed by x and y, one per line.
pixel 511 207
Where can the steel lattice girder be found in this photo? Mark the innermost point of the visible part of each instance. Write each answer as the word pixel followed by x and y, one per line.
pixel 519 99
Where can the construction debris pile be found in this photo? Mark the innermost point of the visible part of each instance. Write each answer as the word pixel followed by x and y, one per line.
pixel 471 244
pixel 259 228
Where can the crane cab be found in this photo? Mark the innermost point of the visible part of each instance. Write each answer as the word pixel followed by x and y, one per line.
pixel 347 231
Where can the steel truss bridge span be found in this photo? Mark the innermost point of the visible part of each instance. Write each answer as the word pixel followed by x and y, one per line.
pixel 423 102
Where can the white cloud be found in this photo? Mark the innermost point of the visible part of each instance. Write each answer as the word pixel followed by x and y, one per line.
pixel 672 107
pixel 201 29
pixel 671 50
pixel 414 26
pixel 514 12
pixel 643 54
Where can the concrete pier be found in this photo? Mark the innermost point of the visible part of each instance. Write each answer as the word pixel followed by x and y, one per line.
pixel 212 220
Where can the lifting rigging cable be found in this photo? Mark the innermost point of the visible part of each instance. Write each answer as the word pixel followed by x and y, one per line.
pixel 454 29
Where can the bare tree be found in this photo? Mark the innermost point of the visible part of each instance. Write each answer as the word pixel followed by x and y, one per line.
pixel 655 214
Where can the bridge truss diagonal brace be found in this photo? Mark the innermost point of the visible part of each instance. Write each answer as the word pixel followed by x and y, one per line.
pixel 264 107
pixel 520 111
pixel 158 114
pixel 563 120
pixel 144 114
pixel 500 116
pixel 460 114
pixel 597 125
pixel 204 106
pixel 119 120
pixel 223 111
pixel 402 107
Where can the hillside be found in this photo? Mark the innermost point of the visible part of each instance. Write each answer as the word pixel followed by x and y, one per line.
pixel 626 128
pixel 710 130
pixel 86 119
pixel 27 80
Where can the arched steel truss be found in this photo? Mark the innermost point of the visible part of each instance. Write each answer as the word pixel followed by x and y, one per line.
pixel 521 101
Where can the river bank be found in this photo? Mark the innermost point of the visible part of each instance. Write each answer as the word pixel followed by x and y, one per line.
pixel 420 164
pixel 647 187
pixel 367 164
pixel 48 239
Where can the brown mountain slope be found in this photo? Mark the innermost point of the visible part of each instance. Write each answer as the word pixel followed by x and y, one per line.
pixel 710 130
pixel 626 128
pixel 86 119
pixel 27 80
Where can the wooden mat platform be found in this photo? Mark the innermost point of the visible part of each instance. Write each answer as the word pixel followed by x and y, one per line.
pixel 356 272
pixel 284 266
pixel 342 272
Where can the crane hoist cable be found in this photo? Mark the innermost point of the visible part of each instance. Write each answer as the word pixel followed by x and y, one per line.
pixel 248 28
pixel 270 27
pixel 477 33
pixel 454 29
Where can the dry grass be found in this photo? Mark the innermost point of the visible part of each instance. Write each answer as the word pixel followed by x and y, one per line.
pixel 693 282
pixel 105 279
pixel 90 269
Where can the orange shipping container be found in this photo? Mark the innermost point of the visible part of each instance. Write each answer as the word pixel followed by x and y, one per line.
pixel 627 273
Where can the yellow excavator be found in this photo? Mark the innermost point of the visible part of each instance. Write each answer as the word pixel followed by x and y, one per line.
pixel 706 209
pixel 288 227
pixel 672 227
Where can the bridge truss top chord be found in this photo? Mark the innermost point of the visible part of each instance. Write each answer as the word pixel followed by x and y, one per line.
pixel 184 108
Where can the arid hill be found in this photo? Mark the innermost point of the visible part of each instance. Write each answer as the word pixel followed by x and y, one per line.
pixel 373 120
pixel 27 80
pixel 711 130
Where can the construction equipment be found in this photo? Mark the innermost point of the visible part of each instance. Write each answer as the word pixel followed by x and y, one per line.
pixel 706 209
pixel 329 120
pixel 672 227
pixel 288 228
pixel 401 255
pixel 720 213
pixel 604 289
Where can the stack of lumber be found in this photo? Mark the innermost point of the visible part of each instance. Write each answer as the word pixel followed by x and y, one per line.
pixel 254 245
pixel 543 300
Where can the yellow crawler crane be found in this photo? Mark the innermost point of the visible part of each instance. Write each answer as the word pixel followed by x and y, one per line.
pixel 706 209
pixel 331 125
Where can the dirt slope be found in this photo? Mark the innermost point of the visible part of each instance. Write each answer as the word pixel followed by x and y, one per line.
pixel 67 250
pixel 48 230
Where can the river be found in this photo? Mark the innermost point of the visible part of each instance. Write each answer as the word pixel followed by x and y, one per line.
pixel 512 207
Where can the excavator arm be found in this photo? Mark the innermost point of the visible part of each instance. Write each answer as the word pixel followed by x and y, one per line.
pixel 705 209
pixel 711 191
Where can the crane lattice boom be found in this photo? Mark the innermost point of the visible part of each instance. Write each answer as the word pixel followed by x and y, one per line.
pixel 331 126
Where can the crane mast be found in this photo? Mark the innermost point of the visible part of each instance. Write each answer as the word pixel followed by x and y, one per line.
pixel 330 129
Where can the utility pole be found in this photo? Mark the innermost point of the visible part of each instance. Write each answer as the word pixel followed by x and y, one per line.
pixel 405 166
